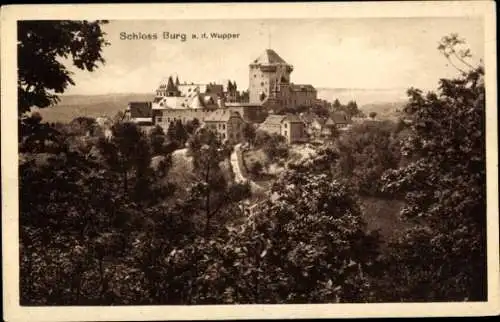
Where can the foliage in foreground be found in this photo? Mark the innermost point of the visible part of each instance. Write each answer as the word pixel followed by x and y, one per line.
pixel 443 257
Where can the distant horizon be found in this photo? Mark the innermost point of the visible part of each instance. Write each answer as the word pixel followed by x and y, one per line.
pixel 362 96
pixel 318 88
pixel 350 53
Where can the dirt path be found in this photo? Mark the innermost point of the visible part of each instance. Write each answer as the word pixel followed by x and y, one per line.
pixel 238 175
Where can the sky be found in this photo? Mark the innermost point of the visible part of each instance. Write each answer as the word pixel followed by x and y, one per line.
pixel 369 53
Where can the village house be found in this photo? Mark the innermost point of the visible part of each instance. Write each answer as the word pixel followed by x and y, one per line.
pixel 140 113
pixel 227 123
pixel 328 128
pixel 317 127
pixel 290 126
pixel 341 120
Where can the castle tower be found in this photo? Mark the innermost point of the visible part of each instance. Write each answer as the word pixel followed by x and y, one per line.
pixel 267 73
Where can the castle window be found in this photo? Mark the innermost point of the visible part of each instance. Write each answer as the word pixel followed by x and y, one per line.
pixel 261 83
pixel 285 133
pixel 159 119
pixel 223 126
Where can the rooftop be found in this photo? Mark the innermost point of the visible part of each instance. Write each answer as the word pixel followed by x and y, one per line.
pixel 302 88
pixel 269 57
pixel 140 109
pixel 278 119
pixel 221 115
pixel 340 118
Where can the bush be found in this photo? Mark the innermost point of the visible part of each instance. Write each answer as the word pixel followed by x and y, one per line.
pixel 256 168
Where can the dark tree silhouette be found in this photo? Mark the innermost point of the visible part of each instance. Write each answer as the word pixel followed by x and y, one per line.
pixel 40 44
pixel 444 186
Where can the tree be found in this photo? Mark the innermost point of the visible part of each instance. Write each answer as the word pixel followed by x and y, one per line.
pixel 372 115
pixel 177 133
pixel 41 45
pixel 308 245
pixel 128 153
pixel 365 153
pixel 212 192
pixel 443 257
pixel 256 168
pixel 82 125
pixel 275 147
pixel 337 106
pixel 320 111
pixel 245 96
pixel 261 138
pixel 157 139
pixel 36 136
pixel 249 133
pixel 192 125
pixel 352 109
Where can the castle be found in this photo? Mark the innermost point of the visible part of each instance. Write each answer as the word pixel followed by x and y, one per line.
pixel 224 109
pixel 270 84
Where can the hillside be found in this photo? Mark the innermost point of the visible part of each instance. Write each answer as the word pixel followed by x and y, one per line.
pixel 389 110
pixel 387 103
pixel 72 106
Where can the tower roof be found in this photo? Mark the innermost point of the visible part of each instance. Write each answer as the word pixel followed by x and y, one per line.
pixel 269 57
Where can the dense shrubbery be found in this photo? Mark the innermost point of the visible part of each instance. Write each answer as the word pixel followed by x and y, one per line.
pixel 273 145
pixel 444 188
pixel 365 152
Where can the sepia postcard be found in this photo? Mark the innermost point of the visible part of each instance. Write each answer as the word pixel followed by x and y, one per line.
pixel 249 161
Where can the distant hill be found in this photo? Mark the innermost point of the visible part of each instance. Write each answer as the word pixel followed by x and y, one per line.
pixel 389 110
pixel 383 101
pixel 363 96
pixel 72 106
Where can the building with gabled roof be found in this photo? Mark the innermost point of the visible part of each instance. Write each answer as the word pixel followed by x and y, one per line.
pixel 140 112
pixel 290 126
pixel 229 124
pixel 340 119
